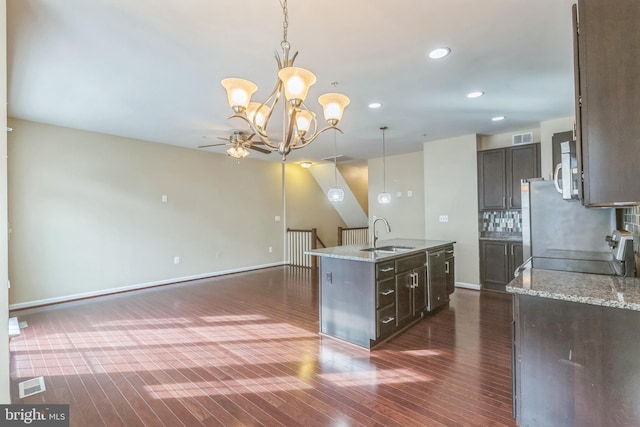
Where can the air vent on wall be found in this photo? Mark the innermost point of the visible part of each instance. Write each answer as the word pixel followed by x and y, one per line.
pixel 522 138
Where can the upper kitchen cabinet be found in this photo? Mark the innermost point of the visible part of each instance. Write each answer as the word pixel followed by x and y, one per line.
pixel 607 60
pixel 500 172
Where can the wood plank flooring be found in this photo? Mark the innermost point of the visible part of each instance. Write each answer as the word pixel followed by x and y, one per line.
pixel 244 349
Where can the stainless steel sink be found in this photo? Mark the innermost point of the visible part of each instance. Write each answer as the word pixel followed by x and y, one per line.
pixel 388 249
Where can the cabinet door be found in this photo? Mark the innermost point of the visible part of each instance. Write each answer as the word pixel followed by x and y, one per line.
pixel 522 163
pixel 420 291
pixel 494 265
pixel 404 303
pixel 450 270
pixel 608 57
pixel 437 280
pixel 516 257
pixel 492 182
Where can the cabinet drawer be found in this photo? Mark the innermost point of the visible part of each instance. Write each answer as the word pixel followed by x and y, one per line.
pixel 385 270
pixel 385 321
pixel 385 292
pixel 411 262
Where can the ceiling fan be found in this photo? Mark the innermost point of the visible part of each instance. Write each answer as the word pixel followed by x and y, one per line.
pixel 240 144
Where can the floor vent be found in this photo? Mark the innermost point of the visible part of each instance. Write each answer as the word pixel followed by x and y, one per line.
pixel 522 138
pixel 31 387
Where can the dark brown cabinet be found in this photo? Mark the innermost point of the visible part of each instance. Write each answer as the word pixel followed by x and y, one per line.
pixel 366 303
pixel 575 364
pixel 500 172
pixel 437 279
pixel 449 269
pixel 607 60
pixel 498 261
pixel 411 288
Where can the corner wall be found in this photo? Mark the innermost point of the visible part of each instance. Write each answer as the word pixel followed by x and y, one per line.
pixel 450 177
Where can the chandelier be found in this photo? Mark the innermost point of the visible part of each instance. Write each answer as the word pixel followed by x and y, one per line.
pixel 299 124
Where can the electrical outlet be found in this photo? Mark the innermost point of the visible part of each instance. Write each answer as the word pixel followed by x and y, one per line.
pixel 277 218
pixel 509 223
pixel 409 193
pixel 270 249
pixel 165 199
pixel 176 260
pixel 444 218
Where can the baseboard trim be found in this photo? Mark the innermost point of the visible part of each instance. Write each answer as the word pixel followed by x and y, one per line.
pixel 104 292
pixel 467 286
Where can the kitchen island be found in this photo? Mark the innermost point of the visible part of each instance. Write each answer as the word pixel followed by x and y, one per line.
pixel 368 295
pixel 576 347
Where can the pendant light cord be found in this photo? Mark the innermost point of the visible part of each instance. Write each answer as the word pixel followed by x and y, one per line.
pixel 335 157
pixel 384 162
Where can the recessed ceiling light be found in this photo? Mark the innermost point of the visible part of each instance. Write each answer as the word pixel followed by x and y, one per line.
pixel 440 52
pixel 375 105
pixel 498 118
pixel 305 165
pixel 477 94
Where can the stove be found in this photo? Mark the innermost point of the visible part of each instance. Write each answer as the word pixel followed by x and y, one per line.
pixel 618 261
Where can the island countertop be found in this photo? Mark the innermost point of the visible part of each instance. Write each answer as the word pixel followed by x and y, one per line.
pixel 594 289
pixel 356 253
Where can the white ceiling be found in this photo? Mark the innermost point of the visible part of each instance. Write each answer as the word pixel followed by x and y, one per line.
pixel 151 69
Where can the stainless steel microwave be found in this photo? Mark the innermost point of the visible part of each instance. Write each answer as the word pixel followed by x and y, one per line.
pixel 566 175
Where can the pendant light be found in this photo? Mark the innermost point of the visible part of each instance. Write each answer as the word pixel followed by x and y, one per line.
pixel 384 197
pixel 335 194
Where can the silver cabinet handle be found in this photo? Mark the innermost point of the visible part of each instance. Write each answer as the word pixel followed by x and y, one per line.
pixel 450 252
pixel 386 270
pixel 387 292
pixel 446 267
pixel 504 202
pixel 505 249
pixel 388 320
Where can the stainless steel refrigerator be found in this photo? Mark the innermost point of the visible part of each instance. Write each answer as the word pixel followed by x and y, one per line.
pixel 560 234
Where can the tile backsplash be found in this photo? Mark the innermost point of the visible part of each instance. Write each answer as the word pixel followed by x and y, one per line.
pixel 631 218
pixel 500 221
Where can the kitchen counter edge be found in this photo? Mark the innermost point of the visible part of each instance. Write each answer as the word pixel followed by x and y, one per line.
pixel 355 253
pixel 593 289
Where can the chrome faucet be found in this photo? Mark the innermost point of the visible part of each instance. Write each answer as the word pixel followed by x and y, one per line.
pixel 374 236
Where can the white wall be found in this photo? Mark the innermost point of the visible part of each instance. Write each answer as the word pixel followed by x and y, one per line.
pixel 5 396
pixel 405 213
pixel 86 213
pixel 450 188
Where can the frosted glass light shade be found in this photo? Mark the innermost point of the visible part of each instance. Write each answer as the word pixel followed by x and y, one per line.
pixel 333 105
pixel 239 93
pixel 303 121
pixel 238 152
pixel 296 82
pixel 384 198
pixel 335 194
pixel 257 114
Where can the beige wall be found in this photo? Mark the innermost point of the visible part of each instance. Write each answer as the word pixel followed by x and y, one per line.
pixel 308 206
pixel 450 177
pixel 405 213
pixel 4 295
pixel 86 213
pixel 547 129
pixel 356 175
pixel 487 142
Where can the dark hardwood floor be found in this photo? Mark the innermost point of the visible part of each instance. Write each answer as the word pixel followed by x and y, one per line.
pixel 244 349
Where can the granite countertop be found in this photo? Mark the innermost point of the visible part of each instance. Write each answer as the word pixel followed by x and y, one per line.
pixel 500 236
pixel 355 252
pixel 594 289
